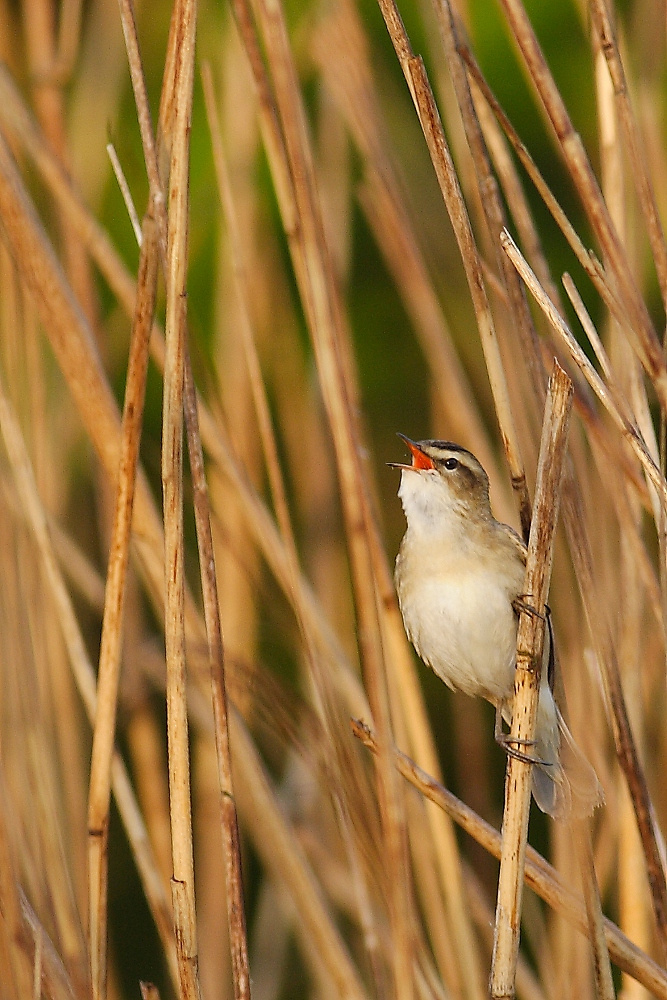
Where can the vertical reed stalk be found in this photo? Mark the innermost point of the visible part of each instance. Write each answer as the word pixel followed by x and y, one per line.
pixel 183 889
pixel 112 623
pixel 530 640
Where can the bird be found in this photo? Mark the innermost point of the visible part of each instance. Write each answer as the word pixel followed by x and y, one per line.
pixel 459 580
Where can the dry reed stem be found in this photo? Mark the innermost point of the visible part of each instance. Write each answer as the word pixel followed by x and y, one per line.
pixel 605 393
pixel 601 964
pixel 492 206
pixel 602 283
pixel 112 623
pixel 591 198
pixel 84 677
pixel 540 876
pixel 530 640
pixel 281 853
pixel 422 96
pixel 125 191
pixel 322 684
pixel 14 932
pixel 55 982
pixel 604 28
pixel 342 54
pixel 229 820
pixel 260 400
pixel 129 24
pixel 73 346
pixel 318 289
pixel 582 556
pixel 184 19
pixel 72 343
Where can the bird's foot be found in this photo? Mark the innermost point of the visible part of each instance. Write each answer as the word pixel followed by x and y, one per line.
pixel 511 743
pixel 520 603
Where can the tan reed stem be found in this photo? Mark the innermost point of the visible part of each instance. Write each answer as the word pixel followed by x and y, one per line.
pixel 601 964
pixel 580 548
pixel 229 819
pixel 539 874
pixel 72 344
pixel 584 179
pixel 604 28
pixel 318 289
pixel 530 640
pixel 112 623
pixel 605 393
pixel 84 677
pixel 183 889
pixel 422 96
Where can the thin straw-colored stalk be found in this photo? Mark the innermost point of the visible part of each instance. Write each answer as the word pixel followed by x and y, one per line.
pixel 19 978
pixel 243 293
pixel 492 206
pixel 601 964
pixel 229 820
pixel 112 623
pixel 580 548
pixel 318 288
pixel 422 96
pixel 586 258
pixel 539 874
pixel 341 52
pixel 125 191
pixel 323 690
pixel 72 343
pixel 183 888
pixel 605 393
pixel 55 983
pixel 584 179
pixel 530 640
pixel 281 853
pixel 604 28
pixel 84 677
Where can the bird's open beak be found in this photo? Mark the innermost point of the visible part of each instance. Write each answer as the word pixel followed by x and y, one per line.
pixel 419 459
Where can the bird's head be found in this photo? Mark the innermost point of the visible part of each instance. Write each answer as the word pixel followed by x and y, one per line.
pixel 444 480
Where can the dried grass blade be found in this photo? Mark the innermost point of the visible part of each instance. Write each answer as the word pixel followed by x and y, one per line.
pixel 112 623
pixel 422 96
pixel 539 874
pixel 530 640
pixel 604 27
pixel 184 17
pixel 84 677
pixel 229 819
pixel 590 195
pixel 580 548
pixel 493 208
pixel 604 392
pixel 318 289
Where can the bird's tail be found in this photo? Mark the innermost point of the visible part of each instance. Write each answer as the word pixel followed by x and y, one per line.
pixel 564 783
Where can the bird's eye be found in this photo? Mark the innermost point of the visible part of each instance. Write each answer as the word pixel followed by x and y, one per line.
pixel 451 463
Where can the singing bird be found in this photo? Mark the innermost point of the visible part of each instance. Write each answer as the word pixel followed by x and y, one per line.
pixel 459 579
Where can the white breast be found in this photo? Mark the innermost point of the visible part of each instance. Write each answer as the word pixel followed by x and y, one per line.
pixel 463 626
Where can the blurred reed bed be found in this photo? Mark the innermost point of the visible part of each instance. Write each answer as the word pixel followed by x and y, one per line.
pixel 198 528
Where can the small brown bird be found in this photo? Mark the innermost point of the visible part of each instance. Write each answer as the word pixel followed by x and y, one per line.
pixel 459 576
